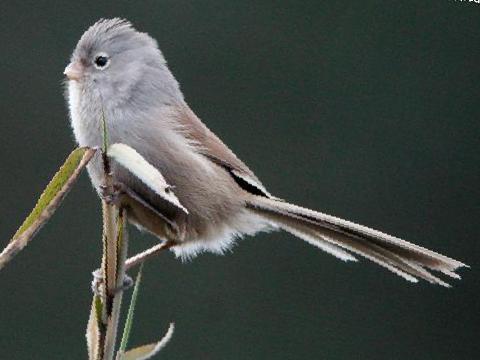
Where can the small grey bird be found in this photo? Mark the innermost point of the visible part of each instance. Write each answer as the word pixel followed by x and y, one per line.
pixel 120 73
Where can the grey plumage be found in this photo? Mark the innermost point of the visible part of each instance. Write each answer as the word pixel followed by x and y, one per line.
pixel 145 109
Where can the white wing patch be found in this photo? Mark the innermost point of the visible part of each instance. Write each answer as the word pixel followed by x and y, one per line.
pixel 143 170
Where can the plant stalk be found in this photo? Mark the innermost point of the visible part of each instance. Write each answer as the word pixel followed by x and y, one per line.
pixel 115 247
pixel 114 297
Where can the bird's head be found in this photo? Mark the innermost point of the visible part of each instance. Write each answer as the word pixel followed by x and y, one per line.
pixel 116 60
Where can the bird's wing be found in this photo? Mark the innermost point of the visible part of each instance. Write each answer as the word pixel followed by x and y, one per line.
pixel 209 145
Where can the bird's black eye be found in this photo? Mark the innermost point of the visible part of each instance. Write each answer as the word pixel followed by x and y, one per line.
pixel 101 61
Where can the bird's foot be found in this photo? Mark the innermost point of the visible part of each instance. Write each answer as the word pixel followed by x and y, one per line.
pixel 98 283
pixel 113 194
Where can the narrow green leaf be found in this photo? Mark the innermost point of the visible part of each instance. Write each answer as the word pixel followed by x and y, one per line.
pixel 53 188
pixel 147 351
pixel 131 312
pixel 48 202
pixel 121 243
pixel 104 133
pixel 98 308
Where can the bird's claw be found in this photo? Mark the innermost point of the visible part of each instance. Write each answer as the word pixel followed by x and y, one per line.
pixel 98 283
pixel 112 194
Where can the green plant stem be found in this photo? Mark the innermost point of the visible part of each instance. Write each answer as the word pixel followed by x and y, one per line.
pixel 129 320
pixel 113 317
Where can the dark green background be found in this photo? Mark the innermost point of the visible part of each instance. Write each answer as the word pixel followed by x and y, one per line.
pixel 364 109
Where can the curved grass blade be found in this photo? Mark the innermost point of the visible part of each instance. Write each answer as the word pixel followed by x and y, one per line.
pixel 48 202
pixel 148 351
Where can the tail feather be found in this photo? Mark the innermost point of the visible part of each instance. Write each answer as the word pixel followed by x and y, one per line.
pixel 310 235
pixel 385 258
pixel 340 237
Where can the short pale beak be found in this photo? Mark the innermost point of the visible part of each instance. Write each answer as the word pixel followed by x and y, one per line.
pixel 74 71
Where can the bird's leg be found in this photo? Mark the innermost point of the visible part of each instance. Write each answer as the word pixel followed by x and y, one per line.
pixel 121 195
pixel 113 195
pixel 147 254
pixel 98 283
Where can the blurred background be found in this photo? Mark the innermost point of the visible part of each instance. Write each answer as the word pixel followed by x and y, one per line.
pixel 367 110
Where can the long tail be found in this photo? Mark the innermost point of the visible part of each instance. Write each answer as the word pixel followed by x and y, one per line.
pixel 343 238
